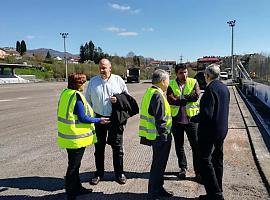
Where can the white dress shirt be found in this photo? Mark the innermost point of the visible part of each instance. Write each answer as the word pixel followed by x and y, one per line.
pixel 99 92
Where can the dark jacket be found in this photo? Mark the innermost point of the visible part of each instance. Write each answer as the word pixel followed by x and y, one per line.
pixel 214 112
pixel 157 109
pixel 125 107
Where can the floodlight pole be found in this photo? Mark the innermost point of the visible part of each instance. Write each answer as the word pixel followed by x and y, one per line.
pixel 232 24
pixel 64 36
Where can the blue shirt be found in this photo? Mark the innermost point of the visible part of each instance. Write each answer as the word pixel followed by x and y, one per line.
pixel 99 92
pixel 80 111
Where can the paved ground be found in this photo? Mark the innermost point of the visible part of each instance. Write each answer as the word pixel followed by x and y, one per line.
pixel 32 166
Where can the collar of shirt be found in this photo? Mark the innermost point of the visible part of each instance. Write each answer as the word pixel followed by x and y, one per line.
pixel 179 82
pixel 154 86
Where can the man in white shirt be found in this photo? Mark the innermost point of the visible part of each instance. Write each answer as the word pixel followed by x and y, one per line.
pixel 100 95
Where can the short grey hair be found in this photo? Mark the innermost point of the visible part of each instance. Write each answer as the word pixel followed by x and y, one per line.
pixel 213 71
pixel 159 75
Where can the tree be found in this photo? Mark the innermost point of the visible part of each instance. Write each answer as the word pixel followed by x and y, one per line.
pixel 131 54
pixel 18 46
pixel 91 53
pixel 82 54
pixel 23 47
pixel 91 47
pixel 136 61
pixel 48 56
pixel 86 51
pixel 96 56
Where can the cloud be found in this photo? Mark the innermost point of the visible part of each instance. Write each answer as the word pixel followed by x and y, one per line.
pixel 115 29
pixel 120 7
pixel 136 11
pixel 121 31
pixel 30 37
pixel 128 34
pixel 124 8
pixel 150 29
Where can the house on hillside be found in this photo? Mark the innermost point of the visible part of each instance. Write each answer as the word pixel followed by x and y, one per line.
pixel 6 51
pixel 74 59
pixel 166 65
pixel 3 53
pixel 57 58
pixel 163 62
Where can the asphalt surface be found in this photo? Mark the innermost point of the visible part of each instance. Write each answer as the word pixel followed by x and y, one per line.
pixel 32 166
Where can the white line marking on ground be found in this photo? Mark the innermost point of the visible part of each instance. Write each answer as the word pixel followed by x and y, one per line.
pixel 14 99
pixel 5 100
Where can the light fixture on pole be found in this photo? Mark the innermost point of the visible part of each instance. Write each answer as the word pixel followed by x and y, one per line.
pixel 64 35
pixel 232 24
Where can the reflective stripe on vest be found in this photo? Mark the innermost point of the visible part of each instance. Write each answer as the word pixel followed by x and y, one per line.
pixel 71 132
pixel 75 136
pixel 147 126
pixel 192 108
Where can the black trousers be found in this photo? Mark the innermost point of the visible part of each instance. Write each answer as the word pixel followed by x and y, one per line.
pixel 114 136
pixel 72 181
pixel 161 153
pixel 211 165
pixel 178 134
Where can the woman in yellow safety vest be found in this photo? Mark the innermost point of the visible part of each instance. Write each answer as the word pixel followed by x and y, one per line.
pixel 76 130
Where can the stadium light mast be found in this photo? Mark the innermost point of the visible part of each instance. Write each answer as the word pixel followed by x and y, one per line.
pixel 64 36
pixel 232 24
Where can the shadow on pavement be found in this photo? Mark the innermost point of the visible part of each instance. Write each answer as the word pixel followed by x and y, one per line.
pixel 109 176
pixel 93 196
pixel 41 183
pixel 59 196
pixel 51 184
pixel 131 196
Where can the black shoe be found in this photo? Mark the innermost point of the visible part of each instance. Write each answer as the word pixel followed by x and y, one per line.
pixel 121 179
pixel 198 178
pixel 71 197
pixel 204 197
pixel 153 198
pixel 182 174
pixel 208 197
pixel 95 180
pixel 83 191
pixel 165 193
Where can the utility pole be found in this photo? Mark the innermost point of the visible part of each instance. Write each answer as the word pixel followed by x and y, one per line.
pixel 64 36
pixel 181 59
pixel 232 24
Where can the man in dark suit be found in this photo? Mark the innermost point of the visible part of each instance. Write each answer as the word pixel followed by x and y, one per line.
pixel 212 130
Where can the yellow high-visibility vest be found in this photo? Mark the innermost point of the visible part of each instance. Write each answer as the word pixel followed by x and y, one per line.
pixel 192 108
pixel 72 133
pixel 147 127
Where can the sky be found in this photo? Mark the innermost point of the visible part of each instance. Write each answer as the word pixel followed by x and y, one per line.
pixel 163 30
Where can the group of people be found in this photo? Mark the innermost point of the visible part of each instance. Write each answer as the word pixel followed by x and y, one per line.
pixel 174 107
pixel 167 107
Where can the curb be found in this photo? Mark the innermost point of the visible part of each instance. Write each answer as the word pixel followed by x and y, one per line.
pixel 259 150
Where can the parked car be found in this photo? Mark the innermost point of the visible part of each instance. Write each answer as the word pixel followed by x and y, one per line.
pixel 224 75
